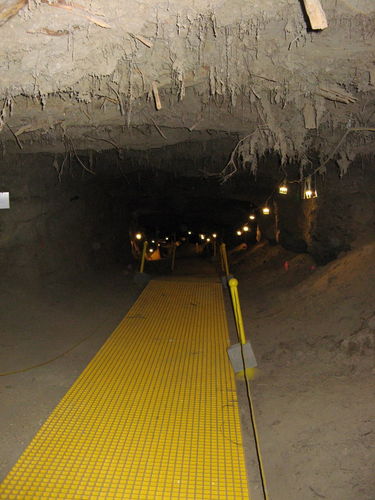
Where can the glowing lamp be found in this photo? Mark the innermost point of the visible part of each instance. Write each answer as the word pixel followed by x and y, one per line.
pixel 214 235
pixel 265 210
pixel 309 193
pixel 152 241
pixel 189 233
pixel 252 217
pixel 283 189
pixel 239 233
pixel 138 236
pixel 202 236
pixel 166 238
pixel 150 250
pixel 246 229
pixel 208 240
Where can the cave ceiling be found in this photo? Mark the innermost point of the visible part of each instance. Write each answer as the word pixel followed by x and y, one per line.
pixel 139 75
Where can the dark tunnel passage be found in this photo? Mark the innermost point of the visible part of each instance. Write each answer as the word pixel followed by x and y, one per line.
pixel 71 215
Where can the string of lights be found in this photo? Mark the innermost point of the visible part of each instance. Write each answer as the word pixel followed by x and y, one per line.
pixel 308 191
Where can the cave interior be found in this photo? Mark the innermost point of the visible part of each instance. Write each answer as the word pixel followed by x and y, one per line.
pixel 180 120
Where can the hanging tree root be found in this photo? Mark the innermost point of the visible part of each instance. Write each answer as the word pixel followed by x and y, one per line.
pixel 322 166
pixel 336 148
pixel 231 167
pixel 70 146
pixel 79 10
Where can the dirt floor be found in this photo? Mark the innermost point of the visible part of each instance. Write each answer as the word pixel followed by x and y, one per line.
pixel 313 333
pixel 36 326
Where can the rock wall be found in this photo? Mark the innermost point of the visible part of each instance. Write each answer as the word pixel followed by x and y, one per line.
pixel 62 226
pixel 341 218
pixel 344 213
pixel 56 229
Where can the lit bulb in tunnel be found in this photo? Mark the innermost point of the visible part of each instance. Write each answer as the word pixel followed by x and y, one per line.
pixel 202 236
pixel 283 189
pixel 152 241
pixel 166 238
pixel 214 235
pixel 239 233
pixel 252 217
pixel 266 210
pixel 208 240
pixel 189 233
pixel 138 236
pixel 309 193
pixel 150 250
pixel 246 229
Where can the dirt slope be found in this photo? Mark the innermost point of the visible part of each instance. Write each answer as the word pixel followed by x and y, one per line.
pixel 313 333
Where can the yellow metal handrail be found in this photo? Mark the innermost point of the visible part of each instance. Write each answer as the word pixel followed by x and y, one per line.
pixel 224 257
pixel 173 256
pixel 143 257
pixel 233 286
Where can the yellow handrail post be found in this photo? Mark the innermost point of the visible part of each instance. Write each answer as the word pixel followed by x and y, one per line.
pixel 221 258
pixel 225 258
pixel 246 351
pixel 143 257
pixel 173 256
pixel 233 286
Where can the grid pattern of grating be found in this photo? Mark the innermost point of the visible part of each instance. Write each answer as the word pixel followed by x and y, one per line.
pixel 153 416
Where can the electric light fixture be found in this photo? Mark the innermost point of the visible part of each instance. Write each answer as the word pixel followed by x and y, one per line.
pixel 309 191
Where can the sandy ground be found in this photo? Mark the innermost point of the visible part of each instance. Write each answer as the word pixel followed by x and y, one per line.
pixel 313 333
pixel 39 324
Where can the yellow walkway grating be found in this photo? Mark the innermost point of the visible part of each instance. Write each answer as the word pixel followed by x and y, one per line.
pixel 153 416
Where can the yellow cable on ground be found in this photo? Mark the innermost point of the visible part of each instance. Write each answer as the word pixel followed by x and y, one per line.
pixel 233 286
pixel 256 436
pixel 49 361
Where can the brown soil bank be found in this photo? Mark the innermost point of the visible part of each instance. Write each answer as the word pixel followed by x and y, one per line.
pixel 313 333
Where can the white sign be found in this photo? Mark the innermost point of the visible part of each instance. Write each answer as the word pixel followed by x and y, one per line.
pixel 4 200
